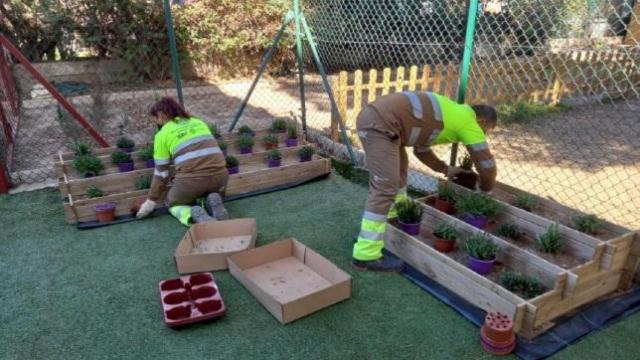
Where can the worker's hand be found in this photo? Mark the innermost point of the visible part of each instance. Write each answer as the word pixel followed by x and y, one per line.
pixel 453 171
pixel 146 208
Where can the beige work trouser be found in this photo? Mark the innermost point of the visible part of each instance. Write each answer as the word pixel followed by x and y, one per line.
pixel 388 163
pixel 186 190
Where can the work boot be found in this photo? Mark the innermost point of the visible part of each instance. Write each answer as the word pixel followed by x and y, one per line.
pixel 214 206
pixel 384 264
pixel 199 215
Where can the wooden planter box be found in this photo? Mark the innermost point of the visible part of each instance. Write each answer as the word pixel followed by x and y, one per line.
pixel 598 268
pixel 254 176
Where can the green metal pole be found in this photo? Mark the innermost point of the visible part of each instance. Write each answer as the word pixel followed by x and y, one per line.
pixel 327 88
pixel 265 61
pixel 173 49
pixel 466 64
pixel 303 110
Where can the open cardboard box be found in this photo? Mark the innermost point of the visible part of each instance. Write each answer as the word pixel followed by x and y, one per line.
pixel 206 246
pixel 290 279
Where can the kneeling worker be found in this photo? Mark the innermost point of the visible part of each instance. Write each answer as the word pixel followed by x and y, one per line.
pixel 420 120
pixel 199 166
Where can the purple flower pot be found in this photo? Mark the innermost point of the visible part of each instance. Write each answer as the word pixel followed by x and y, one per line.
pixel 478 221
pixel 246 151
pixel 411 229
pixel 482 267
pixel 150 163
pixel 125 167
pixel 104 207
pixel 233 170
pixel 274 163
pixel 305 158
pixel 291 142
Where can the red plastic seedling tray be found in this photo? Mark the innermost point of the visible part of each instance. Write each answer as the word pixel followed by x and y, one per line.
pixel 190 299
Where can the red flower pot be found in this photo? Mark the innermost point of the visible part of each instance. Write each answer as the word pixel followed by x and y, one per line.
pixel 270 146
pixel 445 206
pixel 105 212
pixel 443 245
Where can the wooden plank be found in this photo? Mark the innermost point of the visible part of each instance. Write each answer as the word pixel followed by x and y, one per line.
pixel 399 83
pixel 372 85
pixel 413 77
pixel 472 287
pixel 386 81
pixel 357 100
pixel 426 78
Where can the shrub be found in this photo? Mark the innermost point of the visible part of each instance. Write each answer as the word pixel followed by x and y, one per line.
pixel 143 182
pixel 246 130
pixel 274 154
pixel 528 286
pixel 213 128
pixel 306 151
pixel 146 153
pixel 481 247
pixel 270 139
pixel 446 232
pixel 120 157
pixel 222 144
pixel 466 163
pixel 447 193
pixel 292 131
pixel 81 148
pixel 88 165
pixel 94 192
pixel 125 143
pixel 523 112
pixel 509 230
pixel 232 161
pixel 478 205
pixel 525 202
pixel 245 142
pixel 587 223
pixel 409 211
pixel 278 125
pixel 550 241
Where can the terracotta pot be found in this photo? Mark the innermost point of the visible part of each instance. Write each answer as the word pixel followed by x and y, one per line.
pixel 445 206
pixel 105 212
pixel 443 245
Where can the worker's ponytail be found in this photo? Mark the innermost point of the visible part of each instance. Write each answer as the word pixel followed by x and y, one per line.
pixel 170 107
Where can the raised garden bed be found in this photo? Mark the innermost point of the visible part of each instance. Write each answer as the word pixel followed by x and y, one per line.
pixel 587 269
pixel 254 176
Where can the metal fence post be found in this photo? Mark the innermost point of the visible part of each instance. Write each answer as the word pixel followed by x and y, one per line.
pixel 466 64
pixel 173 49
pixel 303 110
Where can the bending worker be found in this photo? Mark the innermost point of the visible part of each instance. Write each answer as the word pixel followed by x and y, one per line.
pixel 420 120
pixel 199 166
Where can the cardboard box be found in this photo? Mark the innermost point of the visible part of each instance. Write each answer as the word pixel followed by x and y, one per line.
pixel 290 279
pixel 206 246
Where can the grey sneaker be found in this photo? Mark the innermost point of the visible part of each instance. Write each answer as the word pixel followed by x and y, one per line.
pixel 199 215
pixel 214 206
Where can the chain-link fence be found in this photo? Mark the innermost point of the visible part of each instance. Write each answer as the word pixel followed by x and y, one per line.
pixel 565 76
pixel 563 73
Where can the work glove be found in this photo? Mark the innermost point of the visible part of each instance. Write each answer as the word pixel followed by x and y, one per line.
pixel 146 208
pixel 479 190
pixel 452 171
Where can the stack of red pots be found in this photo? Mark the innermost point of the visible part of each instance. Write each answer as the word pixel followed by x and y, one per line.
pixel 496 335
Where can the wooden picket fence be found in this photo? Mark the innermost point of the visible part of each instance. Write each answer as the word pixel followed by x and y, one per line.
pixel 541 79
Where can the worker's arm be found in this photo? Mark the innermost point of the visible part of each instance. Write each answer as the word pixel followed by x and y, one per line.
pixel 476 142
pixel 160 180
pixel 429 158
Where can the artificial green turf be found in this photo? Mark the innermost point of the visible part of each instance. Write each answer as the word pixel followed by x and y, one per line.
pixel 93 294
